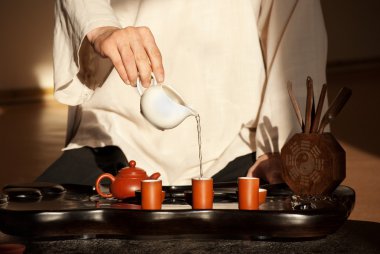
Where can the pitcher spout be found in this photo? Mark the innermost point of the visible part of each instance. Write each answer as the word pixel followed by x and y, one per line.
pixel 192 111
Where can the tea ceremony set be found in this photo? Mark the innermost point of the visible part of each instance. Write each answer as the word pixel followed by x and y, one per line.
pixel 132 206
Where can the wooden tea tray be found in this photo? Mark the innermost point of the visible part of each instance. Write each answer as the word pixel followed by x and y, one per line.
pixel 79 212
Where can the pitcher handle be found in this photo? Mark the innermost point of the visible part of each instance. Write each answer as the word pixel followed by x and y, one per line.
pixel 97 185
pixel 139 86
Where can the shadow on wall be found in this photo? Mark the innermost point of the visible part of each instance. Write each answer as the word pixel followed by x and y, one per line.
pixel 26 44
pixel 353 36
pixel 358 122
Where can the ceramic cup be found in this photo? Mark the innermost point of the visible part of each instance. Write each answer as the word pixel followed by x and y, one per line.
pixel 248 193
pixel 203 193
pixel 262 195
pixel 151 194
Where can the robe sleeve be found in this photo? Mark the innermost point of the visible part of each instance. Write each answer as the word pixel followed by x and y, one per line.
pixel 294 45
pixel 78 70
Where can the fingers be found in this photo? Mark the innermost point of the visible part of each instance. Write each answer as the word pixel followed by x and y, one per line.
pixel 133 52
pixel 117 61
pixel 129 64
pixel 154 54
pixel 142 61
pixel 147 56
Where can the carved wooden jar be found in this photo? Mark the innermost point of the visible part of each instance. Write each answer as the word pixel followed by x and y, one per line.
pixel 313 163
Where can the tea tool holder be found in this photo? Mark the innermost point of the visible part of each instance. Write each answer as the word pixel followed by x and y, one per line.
pixel 313 161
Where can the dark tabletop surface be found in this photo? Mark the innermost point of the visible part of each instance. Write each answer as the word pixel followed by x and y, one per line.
pixel 352 237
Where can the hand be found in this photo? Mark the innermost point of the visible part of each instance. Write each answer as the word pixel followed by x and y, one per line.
pixel 132 50
pixel 267 167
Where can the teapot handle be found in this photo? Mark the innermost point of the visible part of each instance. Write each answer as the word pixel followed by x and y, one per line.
pixel 97 185
pixel 139 86
pixel 155 176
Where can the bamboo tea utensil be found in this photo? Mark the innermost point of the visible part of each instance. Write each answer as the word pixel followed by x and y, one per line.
pixel 318 113
pixel 335 107
pixel 295 105
pixel 312 109
pixel 309 105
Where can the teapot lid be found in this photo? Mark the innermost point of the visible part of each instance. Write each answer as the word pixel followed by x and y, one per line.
pixel 132 171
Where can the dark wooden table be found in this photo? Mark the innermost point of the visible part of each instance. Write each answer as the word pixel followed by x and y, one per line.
pixel 352 237
pixel 78 212
pixel 75 222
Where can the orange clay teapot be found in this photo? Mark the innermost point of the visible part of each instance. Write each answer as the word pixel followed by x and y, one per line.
pixel 125 183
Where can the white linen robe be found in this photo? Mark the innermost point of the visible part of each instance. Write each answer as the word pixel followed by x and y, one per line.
pixel 229 59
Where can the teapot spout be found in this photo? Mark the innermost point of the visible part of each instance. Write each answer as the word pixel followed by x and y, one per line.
pixel 155 176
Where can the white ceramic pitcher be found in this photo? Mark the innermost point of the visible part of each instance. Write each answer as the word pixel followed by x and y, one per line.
pixel 162 106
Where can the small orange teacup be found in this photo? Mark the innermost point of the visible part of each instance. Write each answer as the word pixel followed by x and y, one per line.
pixel 248 193
pixel 203 193
pixel 262 195
pixel 151 194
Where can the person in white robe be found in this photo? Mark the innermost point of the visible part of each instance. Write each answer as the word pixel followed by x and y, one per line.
pixel 229 60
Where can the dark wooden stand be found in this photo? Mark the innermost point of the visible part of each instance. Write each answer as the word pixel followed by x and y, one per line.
pixel 313 164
